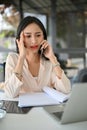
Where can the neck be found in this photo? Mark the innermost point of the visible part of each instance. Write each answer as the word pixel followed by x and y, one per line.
pixel 33 58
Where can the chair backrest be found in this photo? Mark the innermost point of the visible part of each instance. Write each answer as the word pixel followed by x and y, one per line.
pixel 81 76
pixel 2 72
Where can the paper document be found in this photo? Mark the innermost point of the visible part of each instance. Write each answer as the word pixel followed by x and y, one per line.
pixel 49 96
pixel 36 99
pixel 59 96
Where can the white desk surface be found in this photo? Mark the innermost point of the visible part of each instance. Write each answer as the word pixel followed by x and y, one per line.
pixel 37 119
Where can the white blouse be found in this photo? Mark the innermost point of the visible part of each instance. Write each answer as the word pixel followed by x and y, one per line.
pixel 46 77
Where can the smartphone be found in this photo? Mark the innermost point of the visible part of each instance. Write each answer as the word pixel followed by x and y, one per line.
pixel 41 52
pixel 12 107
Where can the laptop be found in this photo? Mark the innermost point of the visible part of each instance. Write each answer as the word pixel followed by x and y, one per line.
pixel 75 109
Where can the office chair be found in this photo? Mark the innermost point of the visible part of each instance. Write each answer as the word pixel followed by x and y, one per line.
pixel 81 76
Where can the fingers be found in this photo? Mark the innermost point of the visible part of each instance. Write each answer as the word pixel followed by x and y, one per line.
pixel 44 44
pixel 21 38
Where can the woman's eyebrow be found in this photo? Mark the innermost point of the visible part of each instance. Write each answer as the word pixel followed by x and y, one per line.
pixel 27 33
pixel 31 33
pixel 39 33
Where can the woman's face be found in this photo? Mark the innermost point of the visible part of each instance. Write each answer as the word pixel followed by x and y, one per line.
pixel 33 36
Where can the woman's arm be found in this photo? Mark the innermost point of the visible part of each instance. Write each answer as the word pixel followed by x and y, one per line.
pixel 22 54
pixel 60 80
pixel 56 66
pixel 12 82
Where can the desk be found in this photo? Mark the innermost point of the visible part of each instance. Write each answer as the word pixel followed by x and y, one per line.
pixel 37 119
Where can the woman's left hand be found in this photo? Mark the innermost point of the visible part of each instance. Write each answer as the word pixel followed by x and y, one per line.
pixel 48 51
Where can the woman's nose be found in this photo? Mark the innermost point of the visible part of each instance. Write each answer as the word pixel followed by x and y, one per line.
pixel 33 40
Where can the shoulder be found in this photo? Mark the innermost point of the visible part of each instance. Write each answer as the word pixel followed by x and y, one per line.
pixel 13 54
pixel 12 57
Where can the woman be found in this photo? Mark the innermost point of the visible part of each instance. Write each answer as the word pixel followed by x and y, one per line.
pixel 35 65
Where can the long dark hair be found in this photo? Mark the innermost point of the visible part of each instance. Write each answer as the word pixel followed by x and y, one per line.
pixel 25 22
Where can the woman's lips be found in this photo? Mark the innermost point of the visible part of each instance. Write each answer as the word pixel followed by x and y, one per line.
pixel 34 47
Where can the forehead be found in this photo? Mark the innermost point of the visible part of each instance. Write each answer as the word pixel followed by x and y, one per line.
pixel 33 27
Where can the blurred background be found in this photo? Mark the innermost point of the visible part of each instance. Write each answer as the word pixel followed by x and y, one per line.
pixel 66 25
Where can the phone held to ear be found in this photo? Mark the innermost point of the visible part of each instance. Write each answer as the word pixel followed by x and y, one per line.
pixel 41 52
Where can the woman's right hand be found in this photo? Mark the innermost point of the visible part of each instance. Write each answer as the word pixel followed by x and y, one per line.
pixel 20 43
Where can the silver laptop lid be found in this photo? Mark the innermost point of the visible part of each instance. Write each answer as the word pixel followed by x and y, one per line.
pixel 76 107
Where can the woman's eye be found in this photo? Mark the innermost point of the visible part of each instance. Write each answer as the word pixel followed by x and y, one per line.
pixel 28 36
pixel 38 35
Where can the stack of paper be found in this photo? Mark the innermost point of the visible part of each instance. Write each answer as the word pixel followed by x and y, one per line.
pixel 59 96
pixel 49 96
